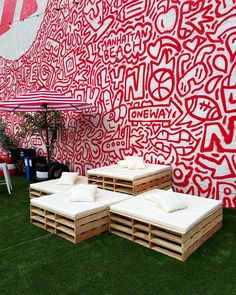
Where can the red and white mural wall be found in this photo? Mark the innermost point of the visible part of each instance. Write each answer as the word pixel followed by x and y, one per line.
pixel 161 73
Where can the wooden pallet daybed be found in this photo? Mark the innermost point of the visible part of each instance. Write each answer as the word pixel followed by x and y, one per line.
pixel 177 234
pixel 132 182
pixel 50 187
pixel 74 221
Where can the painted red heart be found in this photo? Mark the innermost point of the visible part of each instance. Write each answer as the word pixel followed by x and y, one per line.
pixel 203 183
pixel 194 43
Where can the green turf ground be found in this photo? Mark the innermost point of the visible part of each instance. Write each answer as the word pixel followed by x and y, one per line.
pixel 33 261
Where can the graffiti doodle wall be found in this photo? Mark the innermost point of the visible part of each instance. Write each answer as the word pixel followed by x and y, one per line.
pixel 161 73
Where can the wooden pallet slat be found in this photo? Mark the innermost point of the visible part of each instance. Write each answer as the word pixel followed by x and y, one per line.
pixel 38 212
pixel 166 252
pixel 66 230
pixel 122 220
pixel 51 216
pixel 121 234
pixel 66 222
pixel 94 224
pixel 91 233
pixel 65 236
pixel 121 228
pixel 38 218
pixel 95 216
pixel 33 193
pixel 166 235
pixel 51 224
pixel 141 235
pixel 167 245
pixel 42 225
pixel 142 242
pixel 142 227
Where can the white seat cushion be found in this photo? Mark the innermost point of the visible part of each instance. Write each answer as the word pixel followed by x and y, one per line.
pixel 51 186
pixel 110 197
pixel 123 173
pixel 179 221
pixel 60 204
pixel 192 202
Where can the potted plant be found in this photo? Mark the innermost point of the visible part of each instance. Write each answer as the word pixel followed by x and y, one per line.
pixel 46 126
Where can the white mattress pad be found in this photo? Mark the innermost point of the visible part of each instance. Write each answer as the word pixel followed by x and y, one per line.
pixel 60 203
pixel 109 197
pixel 116 171
pixel 51 186
pixel 179 221
pixel 192 202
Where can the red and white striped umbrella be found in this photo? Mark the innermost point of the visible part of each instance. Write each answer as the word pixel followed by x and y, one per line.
pixel 43 100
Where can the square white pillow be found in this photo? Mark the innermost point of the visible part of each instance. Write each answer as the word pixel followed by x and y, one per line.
pixel 122 164
pixel 167 200
pixel 68 178
pixel 83 193
pixel 135 162
pixel 170 202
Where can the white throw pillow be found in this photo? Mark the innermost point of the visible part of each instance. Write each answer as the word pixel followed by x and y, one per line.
pixel 83 193
pixel 135 162
pixel 68 178
pixel 166 200
pixel 122 164
pixel 170 202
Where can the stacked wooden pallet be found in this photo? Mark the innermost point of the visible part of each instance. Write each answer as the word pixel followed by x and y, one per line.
pixel 162 239
pixel 74 230
pixel 161 179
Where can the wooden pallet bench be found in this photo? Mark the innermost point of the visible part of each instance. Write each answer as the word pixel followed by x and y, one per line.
pixel 163 239
pixel 74 230
pixel 159 177
pixel 74 221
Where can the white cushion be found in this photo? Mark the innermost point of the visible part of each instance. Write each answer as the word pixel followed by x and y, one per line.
pixel 68 178
pixel 83 193
pixel 126 174
pixel 51 186
pixel 135 162
pixel 110 197
pixel 192 202
pixel 179 221
pixel 123 164
pixel 167 200
pixel 60 204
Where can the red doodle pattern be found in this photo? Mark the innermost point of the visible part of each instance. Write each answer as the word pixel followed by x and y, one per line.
pixel 162 75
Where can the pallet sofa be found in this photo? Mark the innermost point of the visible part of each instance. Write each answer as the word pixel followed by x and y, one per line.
pixel 177 234
pixel 74 221
pixel 50 187
pixel 132 182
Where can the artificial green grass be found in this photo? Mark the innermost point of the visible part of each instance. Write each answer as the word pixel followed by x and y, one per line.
pixel 33 261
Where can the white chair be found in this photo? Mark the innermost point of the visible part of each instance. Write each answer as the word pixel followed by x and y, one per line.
pixel 7 181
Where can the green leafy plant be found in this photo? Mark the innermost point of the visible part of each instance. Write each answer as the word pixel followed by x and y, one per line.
pixel 8 141
pixel 46 124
